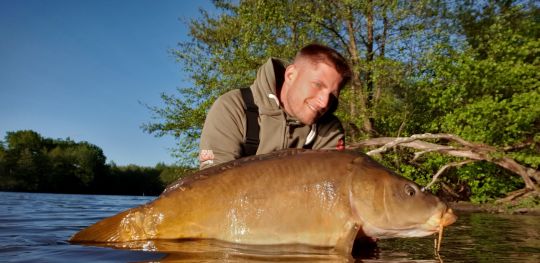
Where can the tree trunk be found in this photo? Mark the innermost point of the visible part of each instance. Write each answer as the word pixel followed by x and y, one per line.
pixel 382 46
pixel 358 100
pixel 369 53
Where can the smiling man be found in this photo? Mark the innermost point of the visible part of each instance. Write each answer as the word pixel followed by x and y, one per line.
pixel 287 106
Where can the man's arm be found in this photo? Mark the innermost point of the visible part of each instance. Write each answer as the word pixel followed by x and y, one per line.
pixel 223 132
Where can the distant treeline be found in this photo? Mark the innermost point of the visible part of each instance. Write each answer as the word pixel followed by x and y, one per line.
pixel 29 162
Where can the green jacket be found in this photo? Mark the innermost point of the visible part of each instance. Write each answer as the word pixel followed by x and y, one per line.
pixel 224 128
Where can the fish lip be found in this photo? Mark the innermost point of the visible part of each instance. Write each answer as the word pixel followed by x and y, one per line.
pixel 435 222
pixel 413 230
pixel 445 218
pixel 448 217
pixel 418 230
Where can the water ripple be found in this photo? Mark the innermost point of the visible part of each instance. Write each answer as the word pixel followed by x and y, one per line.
pixel 36 227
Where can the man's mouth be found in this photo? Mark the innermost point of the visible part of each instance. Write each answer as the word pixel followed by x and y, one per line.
pixel 314 109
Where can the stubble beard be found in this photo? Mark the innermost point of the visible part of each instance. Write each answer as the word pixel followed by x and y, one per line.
pixel 310 114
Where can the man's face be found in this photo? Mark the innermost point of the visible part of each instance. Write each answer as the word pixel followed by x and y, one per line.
pixel 308 89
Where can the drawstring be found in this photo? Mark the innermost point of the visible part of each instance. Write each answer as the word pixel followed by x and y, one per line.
pixel 272 96
pixel 312 132
pixel 311 135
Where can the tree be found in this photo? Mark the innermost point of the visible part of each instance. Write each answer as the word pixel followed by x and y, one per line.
pixel 381 39
pixel 135 180
pixel 171 174
pixel 30 162
pixel 490 92
pixel 4 181
pixel 75 167
pixel 24 160
pixel 486 91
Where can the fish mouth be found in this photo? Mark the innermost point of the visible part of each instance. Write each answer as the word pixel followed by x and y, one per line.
pixel 445 218
pixel 448 218
pixel 437 222
pixel 434 224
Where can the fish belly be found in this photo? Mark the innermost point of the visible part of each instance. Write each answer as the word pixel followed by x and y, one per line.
pixel 295 200
pixel 283 203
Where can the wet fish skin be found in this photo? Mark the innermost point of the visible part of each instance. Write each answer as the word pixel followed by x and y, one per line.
pixel 389 205
pixel 318 198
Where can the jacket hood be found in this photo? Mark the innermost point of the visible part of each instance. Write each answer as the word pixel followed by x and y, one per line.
pixel 269 76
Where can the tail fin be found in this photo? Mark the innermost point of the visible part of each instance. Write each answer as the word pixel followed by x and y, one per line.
pixel 112 229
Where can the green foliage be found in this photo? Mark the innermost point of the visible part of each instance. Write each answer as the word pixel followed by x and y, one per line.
pixel 33 163
pixel 171 174
pixel 489 92
pixel 29 162
pixel 73 167
pixel 23 161
pixel 528 156
pixel 530 202
pixel 487 181
pixel 134 180
pixel 486 91
pixel 496 99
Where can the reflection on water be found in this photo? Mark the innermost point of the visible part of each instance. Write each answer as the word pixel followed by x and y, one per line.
pixel 36 227
pixel 214 250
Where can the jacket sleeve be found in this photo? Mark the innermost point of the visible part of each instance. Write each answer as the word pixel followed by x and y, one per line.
pixel 223 131
pixel 330 134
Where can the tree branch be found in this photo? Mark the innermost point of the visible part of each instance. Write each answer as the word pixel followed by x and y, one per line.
pixel 465 149
pixel 443 169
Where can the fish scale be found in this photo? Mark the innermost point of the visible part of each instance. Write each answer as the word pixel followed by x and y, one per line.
pixel 310 197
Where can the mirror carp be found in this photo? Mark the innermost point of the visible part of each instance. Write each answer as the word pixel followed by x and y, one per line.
pixel 312 197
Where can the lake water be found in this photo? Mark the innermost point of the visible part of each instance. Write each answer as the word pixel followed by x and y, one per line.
pixel 36 227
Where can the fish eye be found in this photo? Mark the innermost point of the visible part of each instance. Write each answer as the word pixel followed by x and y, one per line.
pixel 409 190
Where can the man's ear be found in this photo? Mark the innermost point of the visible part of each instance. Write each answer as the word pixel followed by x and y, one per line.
pixel 290 72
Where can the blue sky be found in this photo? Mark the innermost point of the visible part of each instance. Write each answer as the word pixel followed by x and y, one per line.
pixel 81 69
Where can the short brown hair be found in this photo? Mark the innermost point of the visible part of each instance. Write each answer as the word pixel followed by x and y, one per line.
pixel 320 53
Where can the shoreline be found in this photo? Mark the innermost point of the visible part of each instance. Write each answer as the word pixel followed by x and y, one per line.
pixel 494 208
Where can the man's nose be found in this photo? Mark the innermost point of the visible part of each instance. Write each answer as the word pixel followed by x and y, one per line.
pixel 322 101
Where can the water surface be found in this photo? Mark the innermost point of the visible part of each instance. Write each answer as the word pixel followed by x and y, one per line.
pixel 36 227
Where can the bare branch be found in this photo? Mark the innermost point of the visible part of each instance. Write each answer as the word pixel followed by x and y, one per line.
pixel 449 190
pixel 442 169
pixel 418 154
pixel 517 146
pixel 335 32
pixel 406 140
pixel 464 149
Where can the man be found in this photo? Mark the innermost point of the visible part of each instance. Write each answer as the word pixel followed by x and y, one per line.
pixel 295 108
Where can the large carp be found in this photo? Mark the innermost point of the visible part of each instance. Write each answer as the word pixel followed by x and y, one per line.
pixel 316 198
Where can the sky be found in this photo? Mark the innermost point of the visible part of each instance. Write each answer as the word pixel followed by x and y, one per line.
pixel 84 70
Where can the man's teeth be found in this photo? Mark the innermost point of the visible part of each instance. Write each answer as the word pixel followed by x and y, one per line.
pixel 312 107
